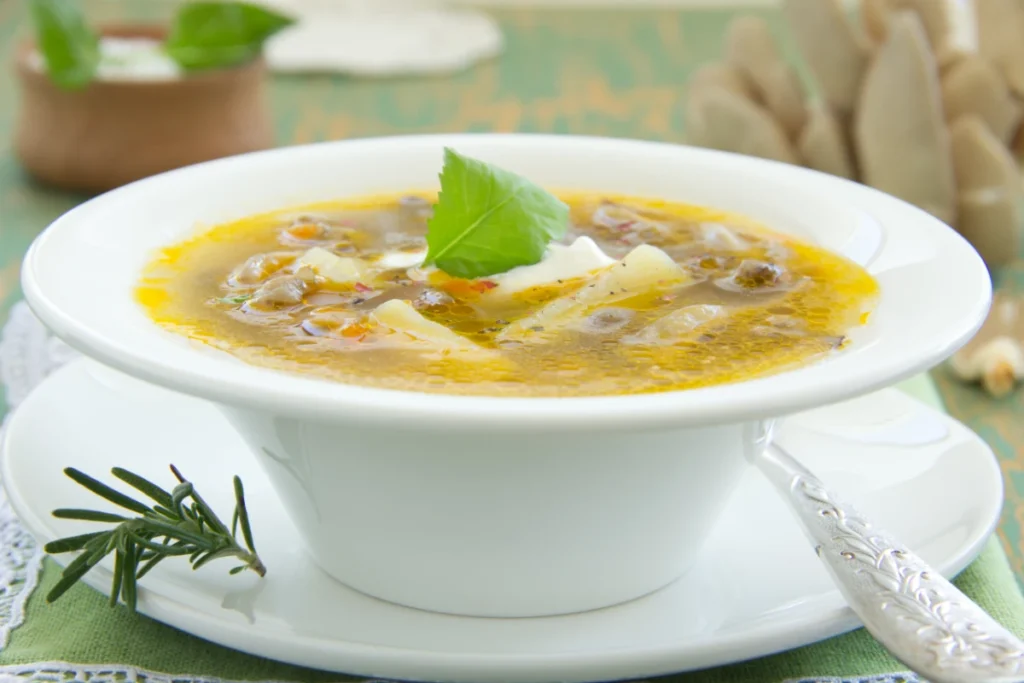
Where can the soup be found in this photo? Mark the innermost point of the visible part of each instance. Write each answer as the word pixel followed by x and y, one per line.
pixel 638 296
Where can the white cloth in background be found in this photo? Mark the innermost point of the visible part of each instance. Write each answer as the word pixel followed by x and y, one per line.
pixel 380 38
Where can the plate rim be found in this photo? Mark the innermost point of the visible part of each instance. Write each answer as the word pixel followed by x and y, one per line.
pixel 413 664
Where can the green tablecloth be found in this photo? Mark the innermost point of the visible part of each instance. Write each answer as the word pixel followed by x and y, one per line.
pixel 603 72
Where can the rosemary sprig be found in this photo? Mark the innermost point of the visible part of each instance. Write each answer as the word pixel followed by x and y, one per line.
pixel 180 523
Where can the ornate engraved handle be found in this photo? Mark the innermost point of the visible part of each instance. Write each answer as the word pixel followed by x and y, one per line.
pixel 920 617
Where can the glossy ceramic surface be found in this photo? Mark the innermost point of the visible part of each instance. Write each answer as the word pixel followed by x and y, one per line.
pixel 508 524
pixel 911 254
pixel 570 461
pixel 756 587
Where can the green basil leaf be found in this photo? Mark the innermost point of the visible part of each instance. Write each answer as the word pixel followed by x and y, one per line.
pixel 208 35
pixel 488 220
pixel 68 46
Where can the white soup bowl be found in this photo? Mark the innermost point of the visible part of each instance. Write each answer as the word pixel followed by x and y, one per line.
pixel 504 506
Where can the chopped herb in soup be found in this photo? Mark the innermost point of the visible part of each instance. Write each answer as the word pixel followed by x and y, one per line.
pixel 635 296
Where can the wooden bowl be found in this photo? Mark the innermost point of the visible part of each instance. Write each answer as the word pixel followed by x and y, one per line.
pixel 114 132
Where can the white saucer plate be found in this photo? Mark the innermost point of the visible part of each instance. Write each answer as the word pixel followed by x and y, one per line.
pixel 756 589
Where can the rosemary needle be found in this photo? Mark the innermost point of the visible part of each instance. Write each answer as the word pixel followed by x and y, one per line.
pixel 177 523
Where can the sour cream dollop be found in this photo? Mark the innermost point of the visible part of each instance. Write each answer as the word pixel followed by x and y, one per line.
pixel 560 262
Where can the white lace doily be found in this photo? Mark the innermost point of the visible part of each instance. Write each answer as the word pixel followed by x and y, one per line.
pixel 28 353
pixel 381 38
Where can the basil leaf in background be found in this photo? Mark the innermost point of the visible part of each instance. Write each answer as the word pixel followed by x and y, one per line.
pixel 68 46
pixel 208 35
pixel 488 220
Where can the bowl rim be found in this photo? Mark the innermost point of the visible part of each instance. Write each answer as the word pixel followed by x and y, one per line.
pixel 281 393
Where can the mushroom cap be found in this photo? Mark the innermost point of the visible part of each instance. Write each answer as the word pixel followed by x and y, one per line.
pixel 1000 27
pixel 823 145
pixel 833 47
pixel 900 133
pixel 973 85
pixel 721 119
pixel 950 25
pixel 751 48
pixel 989 200
pixel 722 75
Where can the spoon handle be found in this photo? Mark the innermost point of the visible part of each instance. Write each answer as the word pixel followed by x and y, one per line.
pixel 919 616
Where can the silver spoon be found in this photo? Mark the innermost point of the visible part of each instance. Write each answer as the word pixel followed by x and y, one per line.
pixel 919 616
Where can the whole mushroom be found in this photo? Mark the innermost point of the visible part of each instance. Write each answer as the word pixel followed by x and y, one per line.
pixel 995 356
